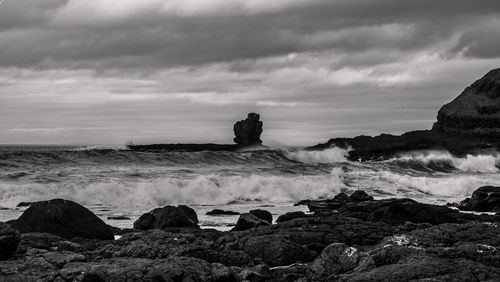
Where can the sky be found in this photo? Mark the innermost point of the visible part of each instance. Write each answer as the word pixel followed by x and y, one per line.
pixel 117 71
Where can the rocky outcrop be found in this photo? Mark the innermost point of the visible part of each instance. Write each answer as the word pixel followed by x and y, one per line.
pixel 63 218
pixel 9 240
pixel 475 112
pixel 167 217
pixel 248 131
pixel 484 199
pixel 470 124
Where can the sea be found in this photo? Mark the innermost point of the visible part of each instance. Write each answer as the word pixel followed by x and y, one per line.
pixel 112 181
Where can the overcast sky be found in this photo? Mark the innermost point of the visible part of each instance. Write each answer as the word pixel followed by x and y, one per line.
pixel 112 71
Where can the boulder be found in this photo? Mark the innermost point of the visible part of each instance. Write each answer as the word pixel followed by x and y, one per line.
pixel 484 199
pixel 263 214
pixel 167 217
pixel 360 196
pixel 475 112
pixel 291 215
pixel 335 259
pixel 247 221
pixel 221 212
pixel 63 218
pixel 9 240
pixel 248 131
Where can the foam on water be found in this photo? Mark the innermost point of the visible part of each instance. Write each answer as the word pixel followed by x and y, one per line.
pixel 471 163
pixel 203 189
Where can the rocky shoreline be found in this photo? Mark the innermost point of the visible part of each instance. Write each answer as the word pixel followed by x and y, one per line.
pixel 346 238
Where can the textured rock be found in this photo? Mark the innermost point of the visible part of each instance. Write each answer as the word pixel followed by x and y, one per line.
pixel 484 199
pixel 9 240
pixel 63 218
pixel 476 111
pixel 167 217
pixel 248 131
pixel 335 259
pixel 247 221
pixel 262 214
pixel 360 196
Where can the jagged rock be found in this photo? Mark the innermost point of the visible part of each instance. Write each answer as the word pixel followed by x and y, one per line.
pixel 476 111
pixel 221 212
pixel 262 214
pixel 247 221
pixel 484 199
pixel 9 240
pixel 291 215
pixel 248 131
pixel 167 217
pixel 63 218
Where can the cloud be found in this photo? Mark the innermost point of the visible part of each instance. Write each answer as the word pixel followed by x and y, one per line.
pixel 170 70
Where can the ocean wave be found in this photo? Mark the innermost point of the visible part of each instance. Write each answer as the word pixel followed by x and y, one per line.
pixel 439 160
pixel 331 155
pixel 203 189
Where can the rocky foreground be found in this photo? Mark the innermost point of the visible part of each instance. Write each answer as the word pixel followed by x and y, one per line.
pixel 347 238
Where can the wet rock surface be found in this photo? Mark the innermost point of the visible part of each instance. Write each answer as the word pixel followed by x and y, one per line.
pixel 247 132
pixel 484 199
pixel 370 240
pixel 167 217
pixel 9 240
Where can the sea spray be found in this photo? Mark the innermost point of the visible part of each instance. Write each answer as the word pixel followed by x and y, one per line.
pixel 331 155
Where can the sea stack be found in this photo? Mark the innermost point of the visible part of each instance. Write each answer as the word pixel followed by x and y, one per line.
pixel 475 112
pixel 248 131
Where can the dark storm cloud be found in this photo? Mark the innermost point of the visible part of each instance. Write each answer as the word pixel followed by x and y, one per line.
pixel 53 33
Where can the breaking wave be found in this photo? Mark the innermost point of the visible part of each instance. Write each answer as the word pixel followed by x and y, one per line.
pixel 331 155
pixel 442 160
pixel 203 189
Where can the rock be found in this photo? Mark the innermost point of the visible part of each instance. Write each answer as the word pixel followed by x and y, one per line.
pixel 335 259
pixel 484 199
pixel 248 131
pixel 63 218
pixel 360 196
pixel 118 218
pixel 167 217
pixel 476 111
pixel 190 213
pixel 263 214
pixel 276 250
pixel 329 204
pixel 247 221
pixel 24 204
pixel 291 215
pixel 9 240
pixel 221 212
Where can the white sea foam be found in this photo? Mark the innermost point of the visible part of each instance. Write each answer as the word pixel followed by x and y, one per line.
pixel 471 163
pixel 203 189
pixel 331 155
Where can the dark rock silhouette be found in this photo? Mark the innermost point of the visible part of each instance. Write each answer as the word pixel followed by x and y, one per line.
pixel 247 221
pixel 221 212
pixel 484 199
pixel 290 216
pixel 63 218
pixel 476 111
pixel 468 125
pixel 263 214
pixel 167 217
pixel 248 131
pixel 9 240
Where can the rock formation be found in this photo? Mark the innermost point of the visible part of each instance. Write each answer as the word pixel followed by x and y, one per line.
pixel 476 112
pixel 167 217
pixel 484 199
pixel 248 131
pixel 9 239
